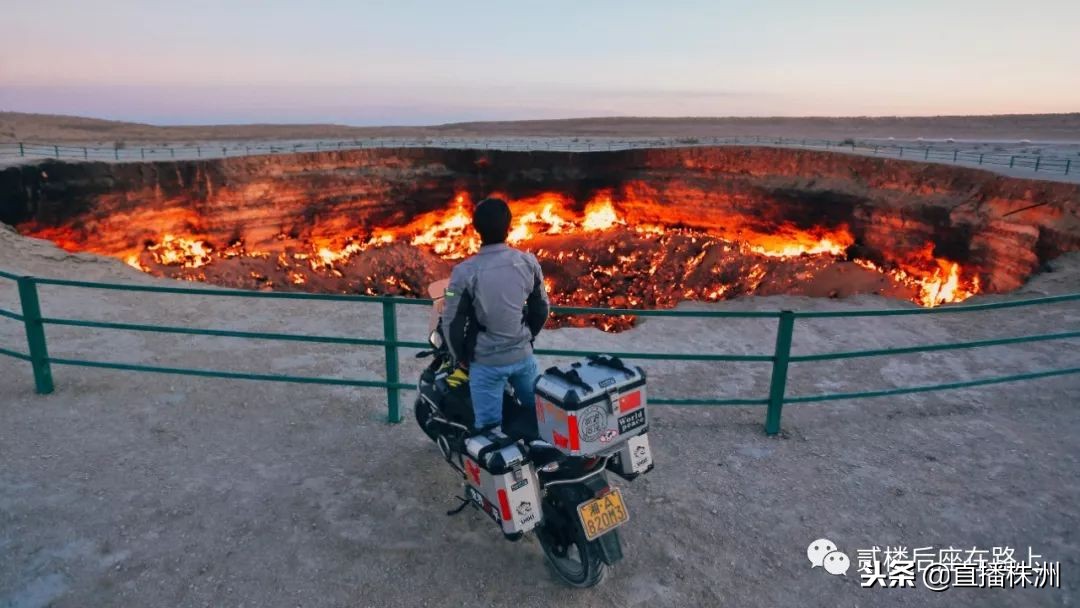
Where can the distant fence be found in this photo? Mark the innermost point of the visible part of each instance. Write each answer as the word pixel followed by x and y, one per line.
pixel 922 152
pixel 779 359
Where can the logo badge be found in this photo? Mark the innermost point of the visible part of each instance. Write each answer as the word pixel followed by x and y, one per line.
pixel 592 422
pixel 822 552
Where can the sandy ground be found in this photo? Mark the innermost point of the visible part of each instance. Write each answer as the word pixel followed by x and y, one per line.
pixel 17 126
pixel 129 489
pixel 1055 161
pixel 1054 137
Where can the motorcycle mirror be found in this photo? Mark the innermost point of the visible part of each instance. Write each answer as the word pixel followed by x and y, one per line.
pixel 435 338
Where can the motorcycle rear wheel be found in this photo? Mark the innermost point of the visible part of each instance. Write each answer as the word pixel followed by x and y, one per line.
pixel 575 560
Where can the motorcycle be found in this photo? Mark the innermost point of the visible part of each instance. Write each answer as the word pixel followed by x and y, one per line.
pixel 554 475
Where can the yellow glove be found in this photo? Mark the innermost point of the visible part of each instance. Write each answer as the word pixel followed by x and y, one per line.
pixel 458 378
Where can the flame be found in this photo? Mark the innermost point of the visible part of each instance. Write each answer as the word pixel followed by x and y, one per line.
pixel 325 257
pixel 133 261
pixel 600 214
pixel 791 242
pixel 661 254
pixel 180 251
pixel 936 280
pixel 448 234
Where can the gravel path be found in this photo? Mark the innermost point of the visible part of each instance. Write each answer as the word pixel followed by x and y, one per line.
pixel 128 489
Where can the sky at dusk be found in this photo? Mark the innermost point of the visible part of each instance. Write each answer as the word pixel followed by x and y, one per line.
pixel 408 62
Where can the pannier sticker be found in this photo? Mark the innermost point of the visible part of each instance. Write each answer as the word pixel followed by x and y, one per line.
pixel 607 383
pixel 525 513
pixel 608 435
pixel 519 485
pixel 473 471
pixel 629 401
pixel 556 412
pixel 641 458
pixel 560 440
pixel 482 503
pixel 592 422
pixel 475 496
pixel 632 421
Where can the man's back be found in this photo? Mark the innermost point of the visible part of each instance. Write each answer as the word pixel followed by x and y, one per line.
pixel 495 305
pixel 494 286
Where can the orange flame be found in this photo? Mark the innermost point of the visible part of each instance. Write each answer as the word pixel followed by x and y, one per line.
pixel 180 251
pixel 936 280
pixel 448 234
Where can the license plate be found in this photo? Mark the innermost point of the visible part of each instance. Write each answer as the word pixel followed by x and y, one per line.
pixel 601 515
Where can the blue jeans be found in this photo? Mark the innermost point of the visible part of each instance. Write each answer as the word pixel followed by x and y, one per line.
pixel 486 383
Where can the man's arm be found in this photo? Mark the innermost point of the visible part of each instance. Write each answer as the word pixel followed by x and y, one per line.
pixel 456 313
pixel 537 307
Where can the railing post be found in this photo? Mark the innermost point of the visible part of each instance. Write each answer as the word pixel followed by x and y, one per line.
pixel 1038 161
pixel 1068 163
pixel 1012 160
pixel 35 335
pixel 56 151
pixel 391 348
pixel 21 151
pixel 779 372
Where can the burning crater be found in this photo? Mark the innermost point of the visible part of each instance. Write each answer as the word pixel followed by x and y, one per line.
pixel 635 229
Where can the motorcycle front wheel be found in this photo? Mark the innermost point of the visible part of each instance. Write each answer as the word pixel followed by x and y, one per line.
pixel 423 413
pixel 575 560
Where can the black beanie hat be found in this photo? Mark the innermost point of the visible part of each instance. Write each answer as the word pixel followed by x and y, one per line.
pixel 491 219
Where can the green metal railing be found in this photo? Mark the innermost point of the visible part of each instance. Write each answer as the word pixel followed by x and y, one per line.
pixel 41 362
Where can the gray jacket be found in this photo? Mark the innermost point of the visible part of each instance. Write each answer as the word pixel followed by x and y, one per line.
pixel 496 303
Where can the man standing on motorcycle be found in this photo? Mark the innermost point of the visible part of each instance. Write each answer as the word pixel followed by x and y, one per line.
pixel 496 304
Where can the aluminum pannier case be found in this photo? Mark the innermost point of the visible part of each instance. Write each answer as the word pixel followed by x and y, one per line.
pixel 591 406
pixel 501 482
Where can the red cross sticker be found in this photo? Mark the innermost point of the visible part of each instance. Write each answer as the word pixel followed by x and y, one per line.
pixel 473 470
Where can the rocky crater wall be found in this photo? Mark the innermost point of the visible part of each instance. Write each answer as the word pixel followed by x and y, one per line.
pixel 1005 227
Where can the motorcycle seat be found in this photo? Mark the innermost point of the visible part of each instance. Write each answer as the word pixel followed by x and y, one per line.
pixel 519 421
